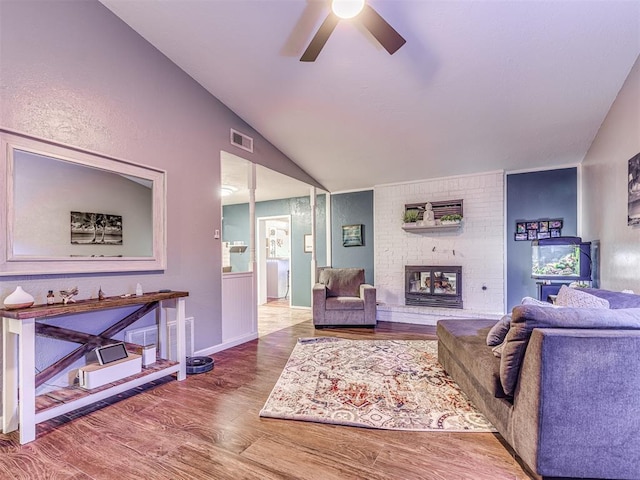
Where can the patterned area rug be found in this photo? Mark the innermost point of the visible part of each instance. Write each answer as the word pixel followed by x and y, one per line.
pixel 387 384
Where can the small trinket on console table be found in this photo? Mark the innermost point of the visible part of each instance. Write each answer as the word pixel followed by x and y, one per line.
pixel 67 295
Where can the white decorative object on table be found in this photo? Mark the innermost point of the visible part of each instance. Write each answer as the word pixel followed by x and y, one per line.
pixel 67 295
pixel 18 299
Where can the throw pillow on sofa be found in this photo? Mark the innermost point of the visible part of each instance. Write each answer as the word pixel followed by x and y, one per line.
pixel 497 350
pixel 499 331
pixel 535 301
pixel 574 297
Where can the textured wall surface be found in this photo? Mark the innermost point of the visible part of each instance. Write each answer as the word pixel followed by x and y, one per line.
pixel 478 246
pixel 532 196
pixel 74 73
pixel 236 227
pixel 605 189
pixel 349 209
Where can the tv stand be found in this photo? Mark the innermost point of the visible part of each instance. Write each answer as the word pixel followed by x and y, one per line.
pixel 20 406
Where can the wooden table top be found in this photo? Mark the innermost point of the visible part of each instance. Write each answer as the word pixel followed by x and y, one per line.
pixel 89 305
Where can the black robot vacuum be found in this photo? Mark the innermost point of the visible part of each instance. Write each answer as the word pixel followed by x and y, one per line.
pixel 199 365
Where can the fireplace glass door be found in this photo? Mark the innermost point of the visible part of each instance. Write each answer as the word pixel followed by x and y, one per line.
pixel 445 283
pixel 433 286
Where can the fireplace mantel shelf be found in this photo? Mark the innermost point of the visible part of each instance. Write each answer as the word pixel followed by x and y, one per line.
pixel 409 227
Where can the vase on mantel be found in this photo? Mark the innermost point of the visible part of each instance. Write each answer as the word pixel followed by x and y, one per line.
pixel 18 299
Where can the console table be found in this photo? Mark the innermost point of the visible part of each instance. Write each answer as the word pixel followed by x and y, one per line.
pixel 20 406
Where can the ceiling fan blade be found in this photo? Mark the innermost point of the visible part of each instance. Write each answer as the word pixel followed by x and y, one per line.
pixel 381 30
pixel 320 38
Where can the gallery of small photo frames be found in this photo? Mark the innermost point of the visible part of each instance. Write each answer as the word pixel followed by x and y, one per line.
pixel 537 229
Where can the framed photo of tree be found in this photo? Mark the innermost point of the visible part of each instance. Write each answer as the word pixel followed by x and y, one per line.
pixel 89 228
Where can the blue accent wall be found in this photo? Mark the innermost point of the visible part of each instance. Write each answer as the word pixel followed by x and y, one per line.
pixel 352 209
pixel 550 194
pixel 235 227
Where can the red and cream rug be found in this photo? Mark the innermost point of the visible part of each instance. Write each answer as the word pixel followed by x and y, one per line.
pixel 387 384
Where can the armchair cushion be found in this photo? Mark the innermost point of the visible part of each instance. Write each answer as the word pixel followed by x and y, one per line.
pixel 344 303
pixel 342 282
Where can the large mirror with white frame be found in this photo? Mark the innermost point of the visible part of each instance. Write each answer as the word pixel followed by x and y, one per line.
pixel 68 210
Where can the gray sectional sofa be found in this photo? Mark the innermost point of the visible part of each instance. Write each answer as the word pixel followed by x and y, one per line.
pixel 566 392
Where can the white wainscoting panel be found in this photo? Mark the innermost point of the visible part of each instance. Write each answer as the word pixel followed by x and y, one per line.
pixel 238 306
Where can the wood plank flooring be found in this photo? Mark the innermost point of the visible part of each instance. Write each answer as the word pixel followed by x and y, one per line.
pixel 276 315
pixel 208 427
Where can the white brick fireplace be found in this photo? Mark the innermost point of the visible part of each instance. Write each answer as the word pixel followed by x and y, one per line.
pixel 478 246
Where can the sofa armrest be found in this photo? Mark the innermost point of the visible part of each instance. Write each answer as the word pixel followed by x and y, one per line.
pixel 575 410
pixel 368 294
pixel 318 299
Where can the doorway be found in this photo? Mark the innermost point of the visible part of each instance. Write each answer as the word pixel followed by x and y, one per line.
pixel 248 250
pixel 273 258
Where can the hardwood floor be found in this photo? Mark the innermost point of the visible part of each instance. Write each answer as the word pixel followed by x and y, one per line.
pixel 208 427
pixel 276 315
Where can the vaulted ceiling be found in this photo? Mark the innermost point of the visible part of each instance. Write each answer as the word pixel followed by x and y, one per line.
pixel 478 86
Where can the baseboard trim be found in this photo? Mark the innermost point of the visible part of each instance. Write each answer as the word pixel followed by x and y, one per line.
pixel 234 342
pixel 426 316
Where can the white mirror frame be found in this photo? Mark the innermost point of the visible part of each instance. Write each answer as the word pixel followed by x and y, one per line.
pixel 11 264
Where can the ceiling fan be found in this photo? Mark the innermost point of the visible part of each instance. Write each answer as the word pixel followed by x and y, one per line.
pixel 372 21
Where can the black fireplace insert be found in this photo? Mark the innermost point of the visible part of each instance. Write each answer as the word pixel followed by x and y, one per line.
pixel 433 286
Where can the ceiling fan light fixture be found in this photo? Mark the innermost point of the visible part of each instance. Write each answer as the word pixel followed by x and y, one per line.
pixel 384 33
pixel 347 8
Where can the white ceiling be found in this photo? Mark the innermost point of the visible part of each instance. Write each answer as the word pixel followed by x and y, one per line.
pixel 479 85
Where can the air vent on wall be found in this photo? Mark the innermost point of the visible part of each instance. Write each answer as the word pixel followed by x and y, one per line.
pixel 241 140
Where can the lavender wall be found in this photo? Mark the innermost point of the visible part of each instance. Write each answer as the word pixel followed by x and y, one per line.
pixel 605 189
pixel 72 72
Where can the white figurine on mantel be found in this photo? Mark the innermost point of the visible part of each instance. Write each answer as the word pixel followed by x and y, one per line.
pixel 429 217
pixel 67 295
